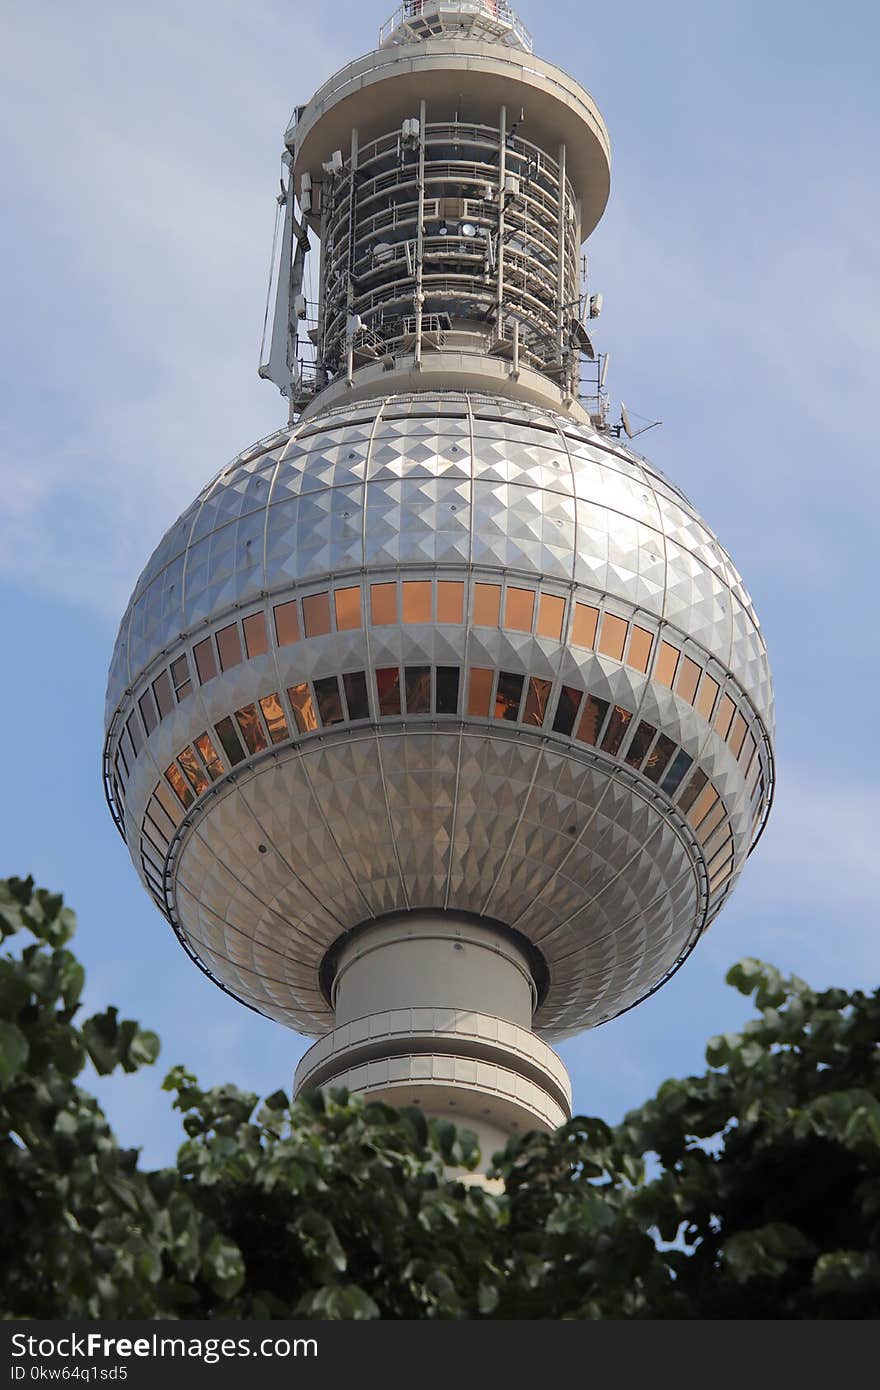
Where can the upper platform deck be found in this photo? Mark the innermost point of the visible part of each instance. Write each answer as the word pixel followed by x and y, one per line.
pixel 493 21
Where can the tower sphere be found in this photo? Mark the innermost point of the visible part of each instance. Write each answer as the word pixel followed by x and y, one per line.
pixel 443 665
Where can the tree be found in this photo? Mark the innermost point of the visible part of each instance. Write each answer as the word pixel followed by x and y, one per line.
pixel 753 1190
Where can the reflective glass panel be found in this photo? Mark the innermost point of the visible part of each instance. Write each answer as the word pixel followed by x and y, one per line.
pixel 566 710
pixel 737 735
pixel 508 696
pixel 551 616
pixel 329 701
pixel 641 741
pixel 667 660
pixel 303 708
pixel 348 609
pixel 388 686
pixel 256 638
pixel 659 759
pixel 174 777
pixel 180 677
pixel 316 615
pixel 724 719
pixel 720 874
pixel 480 692
pixel 749 749
pixel 383 604
pixel 134 734
pixel 448 678
pixel 417 601
pixel 148 711
pixel 229 740
pixel 640 644
pixel 121 766
pixel 276 719
pixel 720 840
pixel 356 695
pixel 194 772
pixel 210 757
pixel 586 620
pixel 692 790
pixel 206 661
pixel 229 647
pixel 519 609
pixel 251 729
pixel 162 692
pixel 703 805
pixel 450 601
pixel 167 802
pixel 592 720
pixel 707 696
pixel 418 690
pixel 617 727
pixel 287 623
pixel 537 700
pixel 688 679
pixel 487 605
pixel 613 638
pixel 677 772
pixel 713 819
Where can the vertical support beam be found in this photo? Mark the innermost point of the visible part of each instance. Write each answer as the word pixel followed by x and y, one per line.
pixel 560 317
pixel 502 177
pixel 352 231
pixel 326 204
pixel 419 298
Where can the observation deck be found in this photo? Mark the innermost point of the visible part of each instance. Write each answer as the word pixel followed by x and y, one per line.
pixel 493 21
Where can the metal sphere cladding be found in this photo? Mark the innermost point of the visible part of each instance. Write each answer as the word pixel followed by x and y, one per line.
pixel 440 652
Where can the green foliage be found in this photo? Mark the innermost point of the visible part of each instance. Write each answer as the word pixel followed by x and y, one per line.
pixel 750 1191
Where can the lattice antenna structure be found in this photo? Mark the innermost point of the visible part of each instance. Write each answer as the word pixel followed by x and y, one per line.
pixel 440 725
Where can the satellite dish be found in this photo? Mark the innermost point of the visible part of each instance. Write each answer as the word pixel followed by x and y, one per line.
pixel 354 325
pixel 582 339
pixel 626 422
pixel 383 251
pixel 468 229
pixel 444 230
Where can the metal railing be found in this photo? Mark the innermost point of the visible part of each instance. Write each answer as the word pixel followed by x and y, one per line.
pixel 498 13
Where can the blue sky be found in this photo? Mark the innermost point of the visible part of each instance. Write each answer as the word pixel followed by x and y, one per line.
pixel 739 264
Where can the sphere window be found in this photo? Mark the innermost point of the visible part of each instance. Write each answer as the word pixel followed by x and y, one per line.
pixel 586 621
pixel 641 741
pixel 613 638
pixel 180 678
pixel 388 686
pixel 134 734
pixel 640 644
pixel 229 647
pixel 707 696
pixel 193 769
pixel 551 616
pixel 229 740
pixel 287 623
pixel 480 692
pixel 210 757
pixel 300 697
pixel 617 727
pixel 667 661
pixel 487 605
pixel 329 701
pixel 275 718
pixel 348 609
pixel 206 661
pixel 677 772
pixel 658 760
pixel 450 601
pixel 356 693
pixel 418 689
pixel 537 702
pixel 256 638
pixel 417 601
pixel 383 604
pixel 726 711
pixel 711 821
pixel 162 692
pixel 148 712
pixel 566 710
pixel 316 615
pixel 519 610
pixel 508 697
pixel 692 791
pixel 592 720
pixel 448 679
pixel 688 680
pixel 251 729
pixel 703 805
pixel 737 735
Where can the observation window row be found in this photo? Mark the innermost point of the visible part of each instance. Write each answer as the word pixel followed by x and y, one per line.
pixel 417 691
pixel 421 601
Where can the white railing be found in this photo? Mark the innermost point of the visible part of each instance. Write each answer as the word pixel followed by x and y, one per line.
pixel 498 12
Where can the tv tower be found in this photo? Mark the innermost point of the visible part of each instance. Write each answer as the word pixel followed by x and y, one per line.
pixel 440 725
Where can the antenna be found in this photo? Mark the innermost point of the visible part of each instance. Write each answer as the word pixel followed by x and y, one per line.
pixel 626 424
pixel 603 375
